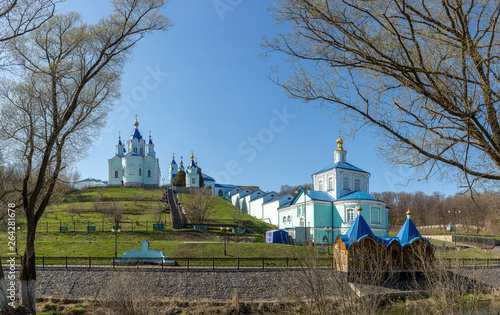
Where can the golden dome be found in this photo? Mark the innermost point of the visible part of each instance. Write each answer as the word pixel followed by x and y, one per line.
pixel 192 156
pixel 408 212
pixel 359 208
pixel 340 142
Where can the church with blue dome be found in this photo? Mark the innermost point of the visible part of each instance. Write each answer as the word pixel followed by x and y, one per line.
pixel 135 163
pixel 329 210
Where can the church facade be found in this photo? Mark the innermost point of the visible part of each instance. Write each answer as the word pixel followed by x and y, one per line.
pixel 193 174
pixel 135 164
pixel 329 210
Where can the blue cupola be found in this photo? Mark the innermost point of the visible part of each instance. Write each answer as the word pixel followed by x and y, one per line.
pixel 409 232
pixel 136 135
pixel 119 147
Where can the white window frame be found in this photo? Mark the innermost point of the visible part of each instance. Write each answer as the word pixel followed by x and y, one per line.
pixel 330 183
pixel 349 214
pixel 320 185
pixel 345 183
pixel 116 174
pixel 357 184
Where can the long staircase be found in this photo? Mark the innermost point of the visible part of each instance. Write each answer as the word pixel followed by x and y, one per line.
pixel 175 213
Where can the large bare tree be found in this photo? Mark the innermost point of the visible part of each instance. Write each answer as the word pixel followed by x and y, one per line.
pixel 69 77
pixel 17 18
pixel 424 72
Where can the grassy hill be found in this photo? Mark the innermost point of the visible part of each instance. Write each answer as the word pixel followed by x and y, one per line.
pixel 141 209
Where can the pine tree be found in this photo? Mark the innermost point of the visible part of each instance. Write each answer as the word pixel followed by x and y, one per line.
pixel 201 180
pixel 180 179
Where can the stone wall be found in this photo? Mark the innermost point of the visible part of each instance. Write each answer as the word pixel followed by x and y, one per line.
pixel 220 285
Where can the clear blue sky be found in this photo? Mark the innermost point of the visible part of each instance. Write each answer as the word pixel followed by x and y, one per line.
pixel 202 86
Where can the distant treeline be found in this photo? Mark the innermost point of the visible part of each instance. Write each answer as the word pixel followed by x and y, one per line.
pixel 479 210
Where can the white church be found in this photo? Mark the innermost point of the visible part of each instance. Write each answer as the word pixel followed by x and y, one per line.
pixel 134 164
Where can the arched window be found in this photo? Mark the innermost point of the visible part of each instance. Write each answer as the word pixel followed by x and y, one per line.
pixel 350 214
pixel 330 183
pixel 193 181
pixel 320 185
pixel 284 219
pixel 220 193
pixel 289 219
pixel 142 151
pixel 140 171
pixel 116 173
pixel 302 221
pixel 131 169
pixel 135 150
pixel 375 215
pixel 149 173
pixel 123 171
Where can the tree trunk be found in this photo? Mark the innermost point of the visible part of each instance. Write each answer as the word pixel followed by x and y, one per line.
pixel 4 302
pixel 28 274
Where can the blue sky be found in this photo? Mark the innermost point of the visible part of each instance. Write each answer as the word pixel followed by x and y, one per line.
pixel 203 86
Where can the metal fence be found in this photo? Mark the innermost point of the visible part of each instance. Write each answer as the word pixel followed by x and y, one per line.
pixel 89 226
pixel 215 262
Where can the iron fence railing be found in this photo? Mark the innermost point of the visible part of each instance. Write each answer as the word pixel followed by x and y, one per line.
pixel 214 262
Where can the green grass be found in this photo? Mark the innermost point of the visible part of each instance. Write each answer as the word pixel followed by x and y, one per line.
pixel 78 209
pixel 224 214
pixel 113 194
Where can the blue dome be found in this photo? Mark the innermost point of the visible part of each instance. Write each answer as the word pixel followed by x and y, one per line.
pixel 173 162
pixel 136 135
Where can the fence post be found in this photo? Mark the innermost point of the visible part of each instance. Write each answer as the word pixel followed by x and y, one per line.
pixel 43 261
pixel 66 261
pixel 90 261
pixel 262 262
pixel 47 226
pixel 188 264
pixel 74 228
pixel 146 225
pixel 137 263
pixel 287 263
pixel 113 262
pixel 213 263
pixel 238 263
pixel 162 263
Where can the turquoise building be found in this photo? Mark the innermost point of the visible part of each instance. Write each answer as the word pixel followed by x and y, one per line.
pixel 322 214
pixel 135 163
pixel 192 174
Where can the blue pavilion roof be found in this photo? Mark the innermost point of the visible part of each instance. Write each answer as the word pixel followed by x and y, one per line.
pixel 409 233
pixel 358 230
pixel 173 162
pixel 150 141
pixel 120 142
pixel 357 195
pixel 343 165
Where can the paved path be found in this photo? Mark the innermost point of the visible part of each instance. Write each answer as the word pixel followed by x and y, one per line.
pixel 495 249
